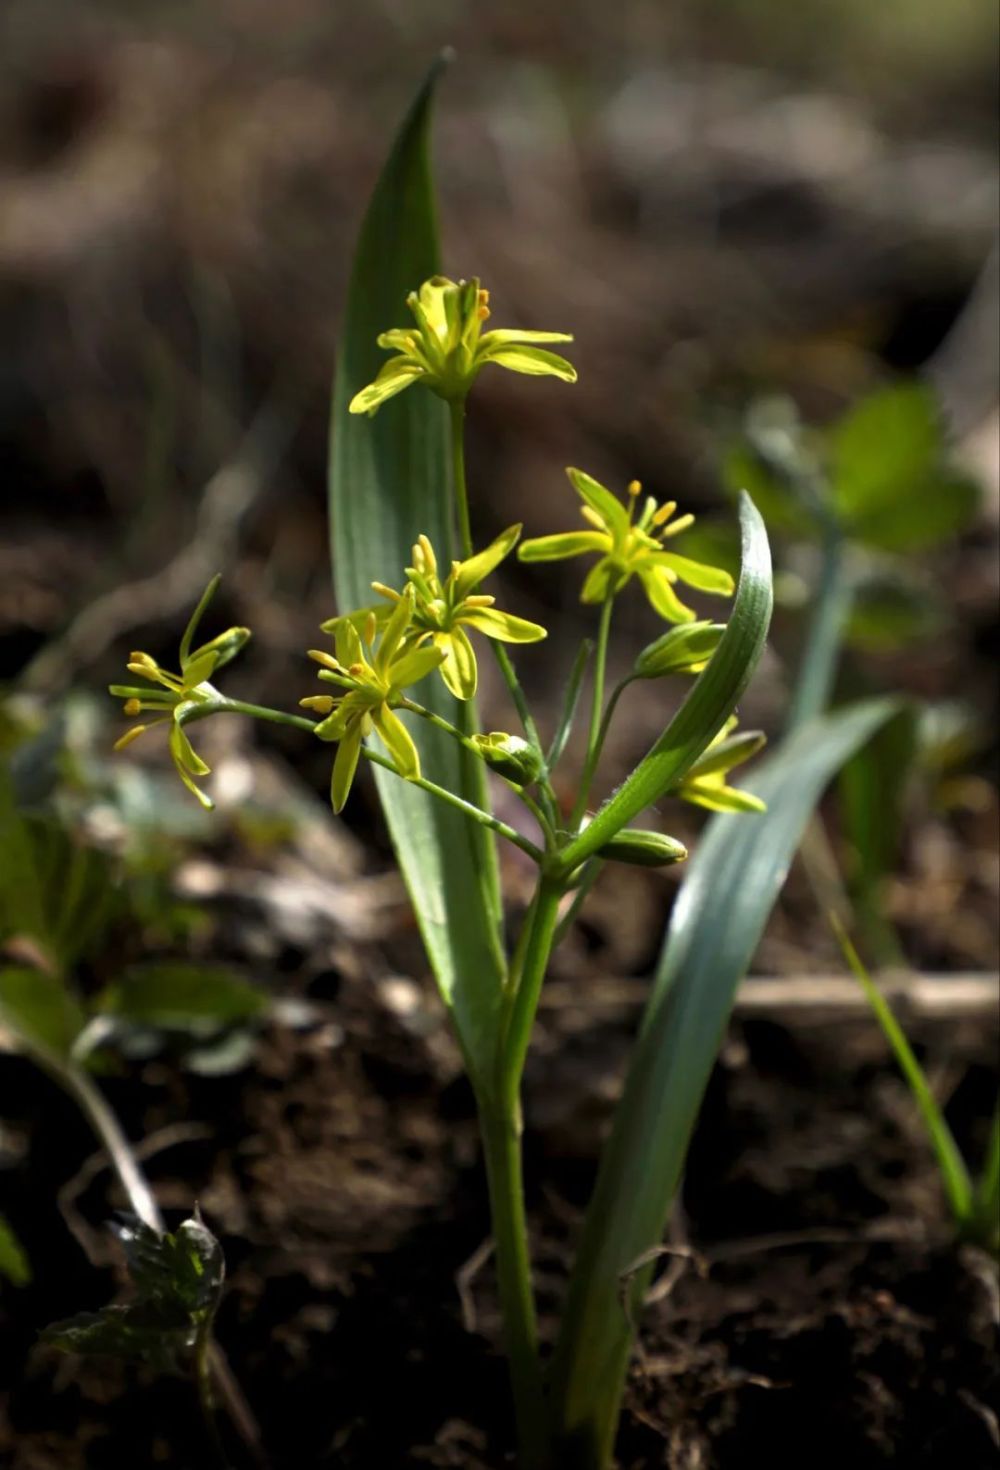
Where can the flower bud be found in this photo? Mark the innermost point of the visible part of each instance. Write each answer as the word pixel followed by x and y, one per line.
pixel 510 756
pixel 643 849
pixel 685 649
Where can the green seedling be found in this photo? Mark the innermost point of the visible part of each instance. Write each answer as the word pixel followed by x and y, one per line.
pixel 974 1204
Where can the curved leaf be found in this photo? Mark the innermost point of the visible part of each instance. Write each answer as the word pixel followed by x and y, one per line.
pixel 709 704
pixel 732 883
pixel 390 480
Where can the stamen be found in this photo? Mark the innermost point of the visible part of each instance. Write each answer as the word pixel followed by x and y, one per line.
pixel 326 659
pixel 430 560
pixel 681 524
pixel 634 488
pixel 132 707
pixel 665 512
pixel 384 591
pixel 321 703
pixel 129 736
pixel 479 600
pixel 371 624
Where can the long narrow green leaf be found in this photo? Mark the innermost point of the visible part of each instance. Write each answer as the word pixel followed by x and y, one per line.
pixel 710 702
pixel 390 479
pixel 954 1174
pixel 731 886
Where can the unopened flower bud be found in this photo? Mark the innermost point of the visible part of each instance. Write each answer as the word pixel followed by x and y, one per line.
pixel 685 649
pixel 510 756
pixel 643 849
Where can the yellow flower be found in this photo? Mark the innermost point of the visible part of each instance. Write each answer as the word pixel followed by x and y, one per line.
pixel 629 546
pixel 448 347
pixel 373 670
pixel 444 610
pixel 178 696
pixel 705 783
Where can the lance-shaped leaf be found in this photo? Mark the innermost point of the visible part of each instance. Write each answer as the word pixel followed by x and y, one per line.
pixel 731 885
pixel 390 481
pixel 709 704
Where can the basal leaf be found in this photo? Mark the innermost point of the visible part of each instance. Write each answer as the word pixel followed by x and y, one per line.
pixel 390 480
pixel 37 1006
pixel 180 996
pixel 731 885
pixel 892 486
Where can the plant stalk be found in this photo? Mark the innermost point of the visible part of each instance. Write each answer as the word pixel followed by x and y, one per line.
pixel 595 738
pixel 297 722
pixel 457 412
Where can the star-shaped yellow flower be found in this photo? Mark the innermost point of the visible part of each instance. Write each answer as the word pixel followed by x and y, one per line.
pixel 448 347
pixel 629 546
pixel 444 610
pixel 179 695
pixel 373 670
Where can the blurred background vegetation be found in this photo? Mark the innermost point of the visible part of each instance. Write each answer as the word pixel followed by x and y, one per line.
pixel 734 206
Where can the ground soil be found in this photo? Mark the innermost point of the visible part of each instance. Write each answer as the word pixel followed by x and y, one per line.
pixel 824 1318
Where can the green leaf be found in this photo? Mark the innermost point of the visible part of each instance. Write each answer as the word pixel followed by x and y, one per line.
pixel 178 996
pixel 14 1263
pixel 709 704
pixel 775 495
pixel 873 790
pixel 36 1006
pixel 390 480
pixel 954 1174
pixel 178 1281
pixel 732 882
pixel 891 484
pixel 22 903
pixel 891 608
pixel 184 1270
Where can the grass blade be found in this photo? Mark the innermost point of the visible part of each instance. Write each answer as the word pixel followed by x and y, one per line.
pixel 954 1174
pixel 571 699
pixel 390 479
pixel 732 883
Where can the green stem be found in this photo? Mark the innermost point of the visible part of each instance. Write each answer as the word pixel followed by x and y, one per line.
pixel 500 1117
pixel 440 723
pixel 595 738
pixel 279 717
pixel 457 411
pixel 523 1002
pixel 501 1134
pixel 818 660
pixel 202 1370
pixel 591 871
pixel 506 667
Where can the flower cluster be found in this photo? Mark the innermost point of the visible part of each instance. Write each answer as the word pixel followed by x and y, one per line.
pixel 628 546
pixel 178 697
pixel 448 347
pixel 422 628
pixel 382 650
